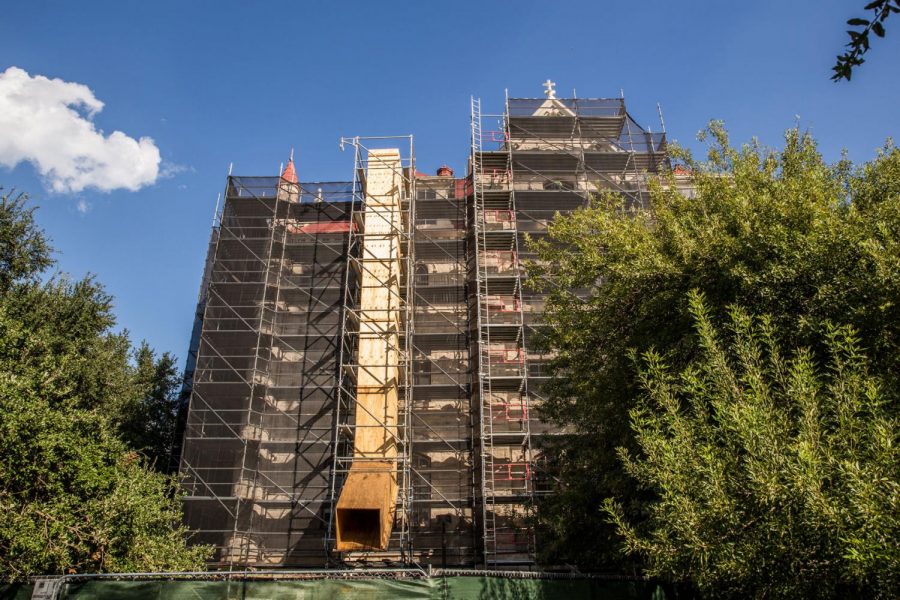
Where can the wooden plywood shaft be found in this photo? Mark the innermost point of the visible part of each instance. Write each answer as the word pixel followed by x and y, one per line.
pixel 365 508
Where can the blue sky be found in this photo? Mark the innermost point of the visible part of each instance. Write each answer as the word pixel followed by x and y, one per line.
pixel 219 82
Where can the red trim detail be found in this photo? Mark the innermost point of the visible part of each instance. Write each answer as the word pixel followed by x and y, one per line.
pixel 505 472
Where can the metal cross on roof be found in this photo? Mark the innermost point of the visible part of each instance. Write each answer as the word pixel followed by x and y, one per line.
pixel 550 92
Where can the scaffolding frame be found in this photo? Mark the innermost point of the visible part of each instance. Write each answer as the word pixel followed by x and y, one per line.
pixel 544 156
pixel 273 364
pixel 442 419
pixel 498 345
pixel 251 445
pixel 399 232
pixel 252 247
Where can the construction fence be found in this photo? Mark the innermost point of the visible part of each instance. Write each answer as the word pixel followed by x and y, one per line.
pixel 441 586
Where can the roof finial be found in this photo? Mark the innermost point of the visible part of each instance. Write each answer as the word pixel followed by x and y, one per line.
pixel 289 173
pixel 549 92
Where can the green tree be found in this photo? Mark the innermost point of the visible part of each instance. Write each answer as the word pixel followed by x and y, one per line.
pixel 24 251
pixel 148 418
pixel 859 38
pixel 74 495
pixel 773 477
pixel 780 233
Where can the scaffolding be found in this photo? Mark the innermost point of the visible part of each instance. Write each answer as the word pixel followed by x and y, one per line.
pixel 434 522
pixel 190 366
pixel 289 344
pixel 443 532
pixel 269 435
pixel 375 343
pixel 504 451
pixel 540 158
pixel 257 442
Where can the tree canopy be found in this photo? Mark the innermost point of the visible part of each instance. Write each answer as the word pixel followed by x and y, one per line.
pixel 775 476
pixel 777 232
pixel 80 428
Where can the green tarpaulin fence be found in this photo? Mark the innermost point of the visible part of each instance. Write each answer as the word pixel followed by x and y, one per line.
pixel 423 587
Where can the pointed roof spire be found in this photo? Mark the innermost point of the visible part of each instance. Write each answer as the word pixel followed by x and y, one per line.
pixel 290 174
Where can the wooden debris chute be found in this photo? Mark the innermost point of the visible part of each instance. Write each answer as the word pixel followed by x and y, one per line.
pixel 366 506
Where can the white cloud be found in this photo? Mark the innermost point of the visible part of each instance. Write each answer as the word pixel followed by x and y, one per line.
pixel 169 170
pixel 48 122
pixel 83 206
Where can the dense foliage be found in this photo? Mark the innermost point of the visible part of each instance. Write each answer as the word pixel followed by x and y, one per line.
pixel 82 421
pixel 147 418
pixel 779 233
pixel 775 477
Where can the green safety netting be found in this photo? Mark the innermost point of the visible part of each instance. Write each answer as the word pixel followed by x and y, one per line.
pixel 431 587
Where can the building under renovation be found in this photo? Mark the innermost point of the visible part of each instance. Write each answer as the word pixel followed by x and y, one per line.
pixel 363 387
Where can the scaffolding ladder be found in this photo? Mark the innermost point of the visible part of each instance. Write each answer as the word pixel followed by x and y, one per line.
pixel 501 368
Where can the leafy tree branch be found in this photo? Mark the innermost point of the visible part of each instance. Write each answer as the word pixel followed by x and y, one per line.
pixel 859 38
